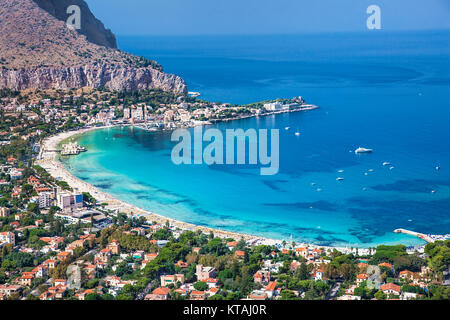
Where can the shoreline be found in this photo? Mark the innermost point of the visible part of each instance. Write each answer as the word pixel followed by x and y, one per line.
pixel 48 159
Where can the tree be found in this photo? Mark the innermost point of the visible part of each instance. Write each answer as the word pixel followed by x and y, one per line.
pixel 201 286
pixel 33 207
pixel 380 295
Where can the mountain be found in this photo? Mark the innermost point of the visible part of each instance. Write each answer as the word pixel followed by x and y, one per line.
pixel 39 51
pixel 91 27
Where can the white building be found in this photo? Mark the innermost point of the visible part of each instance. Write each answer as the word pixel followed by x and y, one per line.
pixel 69 202
pixel 7 237
pixel 273 106
pixel 45 200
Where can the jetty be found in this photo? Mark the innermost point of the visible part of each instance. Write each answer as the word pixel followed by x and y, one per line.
pixel 416 234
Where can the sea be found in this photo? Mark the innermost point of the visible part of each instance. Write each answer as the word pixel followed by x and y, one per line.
pixel 387 91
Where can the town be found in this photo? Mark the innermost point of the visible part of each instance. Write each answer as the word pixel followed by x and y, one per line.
pixel 57 243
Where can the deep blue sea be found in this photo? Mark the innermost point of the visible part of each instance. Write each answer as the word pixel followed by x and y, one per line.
pixel 385 91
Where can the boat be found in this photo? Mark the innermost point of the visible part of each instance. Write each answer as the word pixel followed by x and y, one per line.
pixel 297 133
pixel 340 171
pixel 363 150
pixel 287 128
pixel 438 168
pixel 386 164
pixel 339 178
pixel 390 168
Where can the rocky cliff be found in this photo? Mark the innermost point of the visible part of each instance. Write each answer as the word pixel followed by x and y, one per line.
pixel 38 51
pixel 91 27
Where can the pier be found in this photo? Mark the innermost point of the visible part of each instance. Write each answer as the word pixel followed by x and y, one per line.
pixel 416 234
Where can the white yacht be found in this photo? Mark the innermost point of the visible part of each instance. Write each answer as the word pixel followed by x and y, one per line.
pixel 386 164
pixel 297 133
pixel 339 178
pixel 363 150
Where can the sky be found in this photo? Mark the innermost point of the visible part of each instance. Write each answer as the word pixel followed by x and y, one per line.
pixel 218 17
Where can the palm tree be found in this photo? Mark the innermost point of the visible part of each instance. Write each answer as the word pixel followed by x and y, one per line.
pixel 284 243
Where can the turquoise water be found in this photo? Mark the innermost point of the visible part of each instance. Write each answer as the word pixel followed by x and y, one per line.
pixel 389 92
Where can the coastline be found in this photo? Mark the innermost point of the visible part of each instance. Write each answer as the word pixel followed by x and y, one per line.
pixel 48 159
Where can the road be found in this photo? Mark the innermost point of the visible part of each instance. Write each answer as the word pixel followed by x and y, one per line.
pixel 334 290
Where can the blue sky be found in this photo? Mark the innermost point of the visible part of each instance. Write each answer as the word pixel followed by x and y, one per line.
pixel 197 17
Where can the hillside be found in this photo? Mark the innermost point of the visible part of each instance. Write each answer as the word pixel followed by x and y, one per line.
pixel 38 51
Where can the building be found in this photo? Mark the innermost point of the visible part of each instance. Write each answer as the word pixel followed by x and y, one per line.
pixel 275 106
pixel 172 279
pixel 270 289
pixel 7 290
pixel 406 274
pixel 160 293
pixel 258 295
pixel 198 295
pixel 69 202
pixel 114 246
pixel 45 200
pixel 4 212
pixel 361 278
pixel 389 288
pixel 7 237
pixel 204 273
pixel 262 276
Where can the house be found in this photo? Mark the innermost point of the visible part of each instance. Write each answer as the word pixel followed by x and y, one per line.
pixel 211 282
pixel 389 288
pixel 197 295
pixel 26 280
pixel 114 246
pixel 171 279
pixel 50 263
pixel 196 250
pixel 361 278
pixel 211 291
pixel 204 273
pixel 63 255
pixel 262 276
pixel 161 293
pixel 7 290
pixel 408 295
pixel 318 275
pixel 240 254
pixel 258 295
pixel 60 282
pixel 104 255
pixel 270 289
pixel 406 274
pixel 41 270
pixel 302 252
pixel 7 237
pixel 231 245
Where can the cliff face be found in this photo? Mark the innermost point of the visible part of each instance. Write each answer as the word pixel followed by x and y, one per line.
pixel 38 51
pixel 95 76
pixel 91 27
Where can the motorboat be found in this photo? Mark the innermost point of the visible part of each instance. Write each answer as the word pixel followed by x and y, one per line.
pixel 363 150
